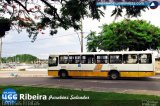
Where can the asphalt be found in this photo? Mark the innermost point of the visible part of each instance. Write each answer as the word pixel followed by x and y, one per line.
pixel 149 86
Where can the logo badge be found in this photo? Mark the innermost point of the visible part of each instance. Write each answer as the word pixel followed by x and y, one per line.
pixel 79 65
pixel 153 4
pixel 9 96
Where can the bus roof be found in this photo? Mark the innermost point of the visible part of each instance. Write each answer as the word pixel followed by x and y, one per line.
pixel 93 53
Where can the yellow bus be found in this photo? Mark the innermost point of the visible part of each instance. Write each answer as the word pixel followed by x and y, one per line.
pixel 102 64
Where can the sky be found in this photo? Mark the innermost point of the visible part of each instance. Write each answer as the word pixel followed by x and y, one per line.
pixel 65 40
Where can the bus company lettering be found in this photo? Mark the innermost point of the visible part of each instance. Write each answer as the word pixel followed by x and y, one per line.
pixel 32 97
pixel 73 97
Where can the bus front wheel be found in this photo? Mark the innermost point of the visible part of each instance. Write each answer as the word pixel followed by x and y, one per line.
pixel 114 75
pixel 63 74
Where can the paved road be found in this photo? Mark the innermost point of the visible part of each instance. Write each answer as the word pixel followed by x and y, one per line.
pixel 142 86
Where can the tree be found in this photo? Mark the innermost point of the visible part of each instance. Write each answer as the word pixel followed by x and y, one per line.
pixel 4 25
pixel 22 58
pixel 92 42
pixel 128 34
pixel 37 15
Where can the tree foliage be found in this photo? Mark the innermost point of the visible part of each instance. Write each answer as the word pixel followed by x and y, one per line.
pixel 37 15
pixel 128 34
pixel 23 58
pixel 5 25
pixel 92 42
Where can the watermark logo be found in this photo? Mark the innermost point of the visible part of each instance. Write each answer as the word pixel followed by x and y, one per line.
pixel 154 4
pixel 9 96
pixel 150 3
pixel 149 103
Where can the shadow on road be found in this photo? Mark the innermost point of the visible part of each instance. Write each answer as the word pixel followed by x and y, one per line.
pixel 100 78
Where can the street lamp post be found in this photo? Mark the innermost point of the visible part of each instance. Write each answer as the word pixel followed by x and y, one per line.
pixel 0 53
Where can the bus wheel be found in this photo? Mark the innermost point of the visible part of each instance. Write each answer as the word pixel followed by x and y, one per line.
pixel 63 74
pixel 114 75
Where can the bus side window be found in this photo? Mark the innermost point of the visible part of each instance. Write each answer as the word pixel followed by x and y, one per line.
pixel 130 59
pixel 53 61
pixel 75 59
pixel 115 58
pixel 83 60
pixel 101 59
pixel 145 58
pixel 63 59
pixel 87 59
pixel 71 59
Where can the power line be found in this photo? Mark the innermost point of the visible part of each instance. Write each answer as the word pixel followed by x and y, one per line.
pixel 25 41
pixel 37 39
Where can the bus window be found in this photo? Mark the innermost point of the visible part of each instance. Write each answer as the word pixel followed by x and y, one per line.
pixel 71 60
pixel 116 59
pixel 63 59
pixel 77 59
pixel 74 59
pixel 101 59
pixel 145 58
pixel 87 59
pixel 130 59
pixel 53 61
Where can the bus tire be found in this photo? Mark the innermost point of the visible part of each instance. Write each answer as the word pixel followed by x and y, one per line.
pixel 63 74
pixel 114 75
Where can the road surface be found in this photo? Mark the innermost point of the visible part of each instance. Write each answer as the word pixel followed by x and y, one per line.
pixel 148 86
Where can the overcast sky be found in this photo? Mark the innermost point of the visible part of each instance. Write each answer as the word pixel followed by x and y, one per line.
pixel 65 40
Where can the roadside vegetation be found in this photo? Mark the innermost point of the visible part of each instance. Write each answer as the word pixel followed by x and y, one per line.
pixel 21 58
pixel 37 16
pixel 132 35
pixel 95 98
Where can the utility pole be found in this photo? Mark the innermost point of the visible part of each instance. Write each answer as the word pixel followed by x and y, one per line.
pixel 0 53
pixel 81 36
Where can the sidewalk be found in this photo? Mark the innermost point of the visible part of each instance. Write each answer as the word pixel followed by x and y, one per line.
pixel 26 73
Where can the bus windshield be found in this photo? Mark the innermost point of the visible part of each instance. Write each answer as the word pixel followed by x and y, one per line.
pixel 53 61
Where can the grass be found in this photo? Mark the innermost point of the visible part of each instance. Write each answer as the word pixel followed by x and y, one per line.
pixel 95 98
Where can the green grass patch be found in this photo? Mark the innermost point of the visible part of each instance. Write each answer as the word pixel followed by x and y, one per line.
pixel 95 98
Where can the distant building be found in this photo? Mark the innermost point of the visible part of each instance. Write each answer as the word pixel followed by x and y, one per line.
pixel 42 61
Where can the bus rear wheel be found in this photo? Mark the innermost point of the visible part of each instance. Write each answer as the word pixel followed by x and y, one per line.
pixel 63 74
pixel 114 75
